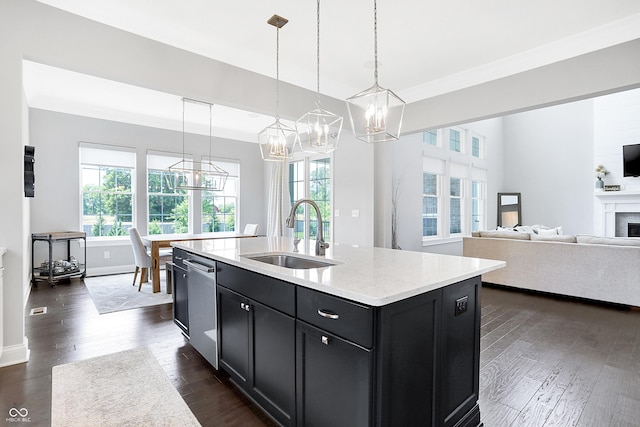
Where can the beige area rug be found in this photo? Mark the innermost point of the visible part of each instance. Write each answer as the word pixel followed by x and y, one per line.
pixel 115 292
pixel 128 388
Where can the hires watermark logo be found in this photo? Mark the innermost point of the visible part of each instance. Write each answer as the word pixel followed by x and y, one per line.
pixel 18 415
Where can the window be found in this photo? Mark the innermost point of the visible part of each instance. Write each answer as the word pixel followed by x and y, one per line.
pixel 108 188
pixel 168 205
pixel 311 178
pixel 430 203
pixel 455 206
pixel 454 140
pixel 430 137
pixel 475 146
pixel 477 205
pixel 220 208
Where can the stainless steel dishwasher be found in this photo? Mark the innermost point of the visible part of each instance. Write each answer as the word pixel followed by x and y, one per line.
pixel 201 289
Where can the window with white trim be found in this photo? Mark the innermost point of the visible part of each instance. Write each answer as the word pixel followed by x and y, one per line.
pixel 107 185
pixel 430 137
pixel 456 140
pixel 311 178
pixel 169 206
pixel 220 208
pixel 454 185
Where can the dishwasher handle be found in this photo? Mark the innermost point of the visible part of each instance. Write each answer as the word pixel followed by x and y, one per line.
pixel 199 266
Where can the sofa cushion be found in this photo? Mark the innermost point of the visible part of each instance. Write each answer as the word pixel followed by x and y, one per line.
pixel 505 234
pixel 599 240
pixel 566 238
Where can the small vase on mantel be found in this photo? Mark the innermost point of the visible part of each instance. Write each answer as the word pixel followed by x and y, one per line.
pixel 599 184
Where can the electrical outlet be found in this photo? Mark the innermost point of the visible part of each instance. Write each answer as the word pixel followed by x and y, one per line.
pixel 355 213
pixel 106 254
pixel 461 305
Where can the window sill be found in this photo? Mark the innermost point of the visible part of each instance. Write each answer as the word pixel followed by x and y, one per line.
pixel 96 242
pixel 441 241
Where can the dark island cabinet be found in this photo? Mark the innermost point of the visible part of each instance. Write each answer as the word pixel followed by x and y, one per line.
pixel 334 380
pixel 257 342
pixel 314 359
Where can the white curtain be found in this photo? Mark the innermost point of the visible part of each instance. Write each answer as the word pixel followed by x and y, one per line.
pixel 275 203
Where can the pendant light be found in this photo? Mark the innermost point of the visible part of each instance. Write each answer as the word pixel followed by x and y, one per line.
pixel 203 175
pixel 318 130
pixel 376 113
pixel 277 140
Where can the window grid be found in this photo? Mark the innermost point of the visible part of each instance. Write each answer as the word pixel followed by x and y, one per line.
pixel 107 200
pixel 475 146
pixel 477 205
pixel 430 203
pixel 168 206
pixel 430 137
pixel 455 206
pixel 454 140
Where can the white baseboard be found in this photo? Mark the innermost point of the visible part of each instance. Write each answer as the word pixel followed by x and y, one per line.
pixel 104 271
pixel 14 354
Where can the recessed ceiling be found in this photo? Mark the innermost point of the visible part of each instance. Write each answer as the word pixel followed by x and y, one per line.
pixel 426 48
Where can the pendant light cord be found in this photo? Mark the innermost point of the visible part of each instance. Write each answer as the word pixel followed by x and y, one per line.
pixel 318 53
pixel 277 72
pixel 375 41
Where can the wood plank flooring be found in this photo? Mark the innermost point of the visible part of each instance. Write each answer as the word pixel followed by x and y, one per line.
pixel 544 361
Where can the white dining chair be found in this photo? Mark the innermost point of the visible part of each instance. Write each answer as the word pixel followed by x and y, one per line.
pixel 141 257
pixel 251 229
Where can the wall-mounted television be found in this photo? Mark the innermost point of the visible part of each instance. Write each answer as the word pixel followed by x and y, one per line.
pixel 631 160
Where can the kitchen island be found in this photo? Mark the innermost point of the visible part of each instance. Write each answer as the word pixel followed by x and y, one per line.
pixel 378 337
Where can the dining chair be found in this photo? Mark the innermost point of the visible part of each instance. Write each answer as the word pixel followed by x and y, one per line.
pixel 251 229
pixel 141 257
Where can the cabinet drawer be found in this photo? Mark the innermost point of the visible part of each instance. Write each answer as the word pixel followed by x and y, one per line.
pixel 344 318
pixel 264 289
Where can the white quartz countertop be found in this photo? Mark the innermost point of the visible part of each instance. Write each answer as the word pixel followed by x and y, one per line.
pixel 372 276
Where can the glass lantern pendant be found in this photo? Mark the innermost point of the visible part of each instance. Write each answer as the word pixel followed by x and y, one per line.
pixel 318 130
pixel 376 113
pixel 277 140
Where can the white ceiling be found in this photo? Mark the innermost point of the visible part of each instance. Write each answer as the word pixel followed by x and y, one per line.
pixel 425 47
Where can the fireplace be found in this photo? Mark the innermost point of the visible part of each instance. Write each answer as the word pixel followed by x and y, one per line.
pixel 633 229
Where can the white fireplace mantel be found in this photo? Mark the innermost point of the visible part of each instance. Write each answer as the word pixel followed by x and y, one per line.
pixel 608 203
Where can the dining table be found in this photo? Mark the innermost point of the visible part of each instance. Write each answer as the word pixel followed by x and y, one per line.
pixel 157 241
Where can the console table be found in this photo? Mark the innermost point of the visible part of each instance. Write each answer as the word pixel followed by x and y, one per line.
pixel 54 273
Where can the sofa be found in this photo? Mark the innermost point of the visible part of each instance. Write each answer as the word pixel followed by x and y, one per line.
pixel 596 268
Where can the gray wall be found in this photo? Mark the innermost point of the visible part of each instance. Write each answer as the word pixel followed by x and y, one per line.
pixel 549 159
pixel 57 201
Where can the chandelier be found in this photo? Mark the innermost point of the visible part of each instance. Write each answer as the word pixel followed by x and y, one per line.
pixel 376 113
pixel 277 140
pixel 318 130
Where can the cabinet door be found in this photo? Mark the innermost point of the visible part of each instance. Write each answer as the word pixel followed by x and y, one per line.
pixel 233 334
pixel 334 379
pixel 272 358
pixel 180 299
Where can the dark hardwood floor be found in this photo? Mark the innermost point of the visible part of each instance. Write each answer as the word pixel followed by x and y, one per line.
pixel 544 361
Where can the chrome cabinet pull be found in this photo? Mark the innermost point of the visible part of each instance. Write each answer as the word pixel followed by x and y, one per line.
pixel 325 340
pixel 245 307
pixel 328 314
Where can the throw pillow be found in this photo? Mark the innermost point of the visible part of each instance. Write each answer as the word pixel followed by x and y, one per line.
pixel 550 231
pixel 566 238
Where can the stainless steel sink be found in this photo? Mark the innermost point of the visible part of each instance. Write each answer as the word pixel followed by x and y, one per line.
pixel 290 261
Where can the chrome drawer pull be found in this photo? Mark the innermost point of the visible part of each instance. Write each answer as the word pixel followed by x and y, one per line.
pixel 325 340
pixel 328 314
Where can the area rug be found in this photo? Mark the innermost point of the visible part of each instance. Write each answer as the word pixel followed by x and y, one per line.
pixel 128 388
pixel 115 292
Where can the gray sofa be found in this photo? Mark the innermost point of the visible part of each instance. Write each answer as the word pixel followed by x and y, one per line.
pixel 598 268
